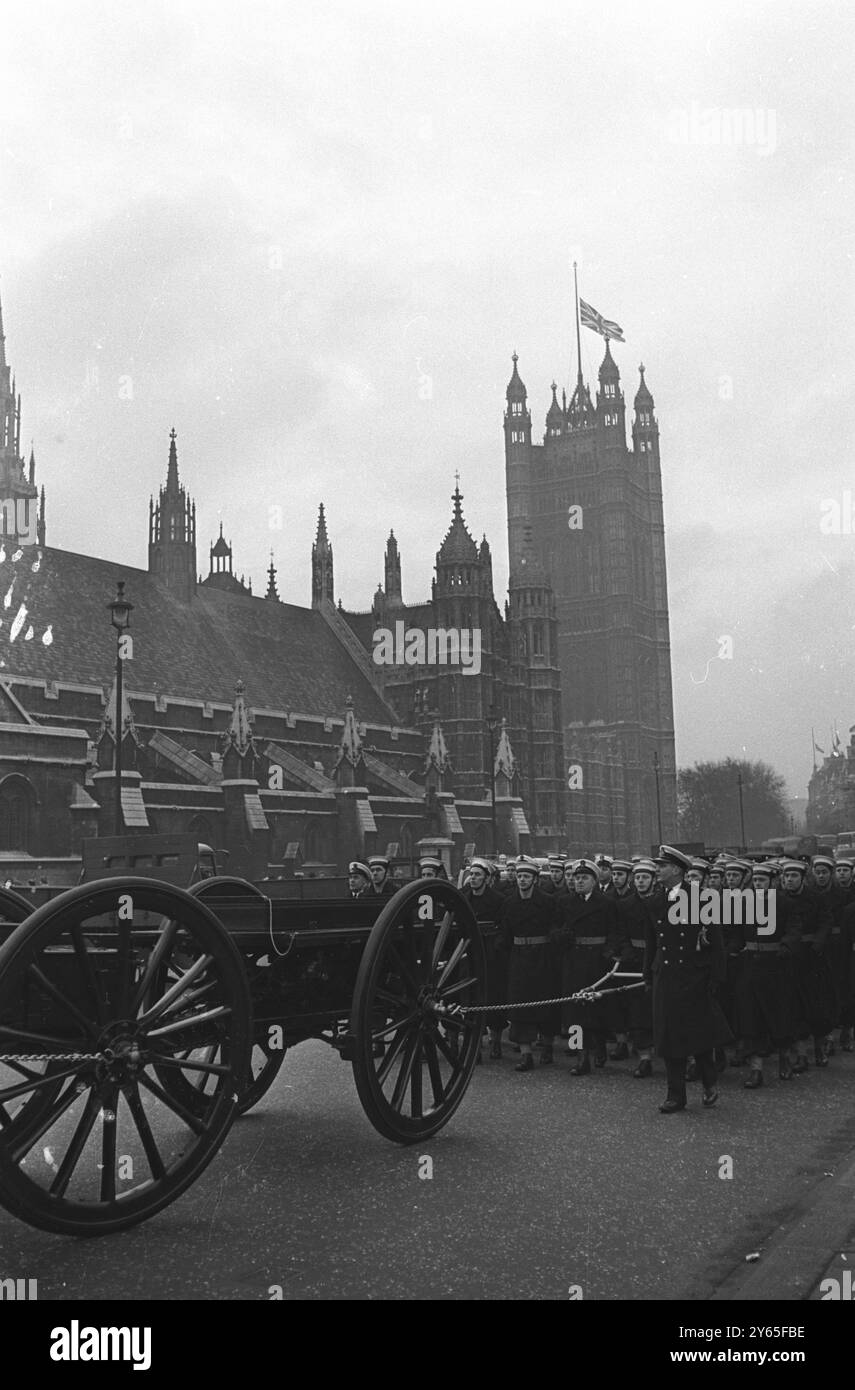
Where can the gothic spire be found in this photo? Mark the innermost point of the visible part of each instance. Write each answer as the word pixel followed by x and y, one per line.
pixel 272 592
pixel 239 733
pixel 172 470
pixel 323 588
pixel 506 763
pixel 350 747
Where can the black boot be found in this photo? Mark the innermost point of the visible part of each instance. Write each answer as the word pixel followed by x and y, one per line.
pixel 583 1067
pixel 495 1049
pixel 819 1056
pixel 600 1055
pixel 672 1104
pixel 546 1056
pixel 785 1067
pixel 754 1080
pixel 709 1097
pixel 619 1053
pixel 527 1063
pixel 644 1068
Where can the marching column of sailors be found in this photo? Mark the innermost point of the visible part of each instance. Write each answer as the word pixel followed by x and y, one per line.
pixel 735 988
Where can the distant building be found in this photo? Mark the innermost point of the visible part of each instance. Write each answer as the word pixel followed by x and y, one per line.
pixel 592 509
pixel 273 731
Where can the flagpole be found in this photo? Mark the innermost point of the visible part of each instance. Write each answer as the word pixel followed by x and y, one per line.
pixel 813 746
pixel 578 333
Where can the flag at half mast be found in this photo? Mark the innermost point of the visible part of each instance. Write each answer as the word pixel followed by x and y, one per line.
pixel 606 327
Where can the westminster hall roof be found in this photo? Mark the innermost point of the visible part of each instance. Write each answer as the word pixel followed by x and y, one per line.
pixel 288 657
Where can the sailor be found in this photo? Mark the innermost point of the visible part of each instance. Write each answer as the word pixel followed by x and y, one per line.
pixel 588 936
pixel 636 911
pixel 715 877
pixel 430 867
pixel 683 961
pixel 619 1007
pixel 509 878
pixel 843 877
pixel 764 1000
pixel 556 875
pixel 848 1012
pixel 569 871
pixel 487 905
pixel 698 872
pixel 527 918
pixel 604 874
pixel 358 878
pixel 826 887
pixel 814 986
pixel 737 877
pixel 382 885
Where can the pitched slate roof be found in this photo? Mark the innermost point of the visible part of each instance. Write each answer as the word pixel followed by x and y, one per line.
pixel 287 656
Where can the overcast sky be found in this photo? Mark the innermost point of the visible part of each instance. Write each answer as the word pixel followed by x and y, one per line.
pixel 310 237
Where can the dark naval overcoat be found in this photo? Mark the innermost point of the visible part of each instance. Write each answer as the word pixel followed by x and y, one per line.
pixel 684 963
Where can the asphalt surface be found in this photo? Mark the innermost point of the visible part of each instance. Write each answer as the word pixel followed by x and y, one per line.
pixel 542 1183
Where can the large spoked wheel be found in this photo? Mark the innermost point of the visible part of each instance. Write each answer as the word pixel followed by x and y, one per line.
pixel 237 902
pixel 412 1060
pixel 101 991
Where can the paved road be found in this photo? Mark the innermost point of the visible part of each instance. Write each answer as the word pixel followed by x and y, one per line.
pixel 539 1182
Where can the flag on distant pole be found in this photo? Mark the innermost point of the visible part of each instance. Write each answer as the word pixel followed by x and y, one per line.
pixel 607 328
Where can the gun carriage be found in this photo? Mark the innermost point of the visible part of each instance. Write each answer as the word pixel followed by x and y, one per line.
pixel 139 1017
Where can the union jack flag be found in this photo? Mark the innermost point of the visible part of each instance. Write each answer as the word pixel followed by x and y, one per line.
pixel 606 327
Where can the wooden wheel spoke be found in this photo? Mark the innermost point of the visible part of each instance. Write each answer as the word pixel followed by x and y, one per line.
pixel 192 1121
pixel 62 1000
pixel 452 962
pixel 25 1088
pixel 441 938
pixel 20 1150
pixel 162 947
pixel 405 1073
pixel 386 997
pixel 87 970
pixel 447 1052
pixel 18 1067
pixel 416 1103
pixel 206 1068
pixel 65 1172
pixel 393 1052
pixel 402 969
pixel 61 1044
pixel 191 997
pixel 123 967
pixel 108 1146
pixel 138 1115
pixel 182 984
pixel 458 986
pixel 181 1024
pixel 434 1071
pixel 393 1027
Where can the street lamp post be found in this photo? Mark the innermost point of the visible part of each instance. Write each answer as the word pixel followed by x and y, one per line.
pixel 492 725
pixel 120 617
pixel 658 793
pixel 741 810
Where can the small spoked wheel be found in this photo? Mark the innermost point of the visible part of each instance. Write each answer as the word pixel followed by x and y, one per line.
pixel 193 1090
pixel 413 1059
pixel 103 991
pixel 241 906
